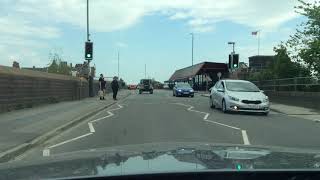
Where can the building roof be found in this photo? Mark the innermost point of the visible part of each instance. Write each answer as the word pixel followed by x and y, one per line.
pixel 196 69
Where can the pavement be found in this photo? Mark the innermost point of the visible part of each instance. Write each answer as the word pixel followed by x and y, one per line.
pixel 160 117
pixel 20 130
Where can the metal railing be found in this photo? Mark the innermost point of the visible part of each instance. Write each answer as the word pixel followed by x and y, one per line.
pixel 307 84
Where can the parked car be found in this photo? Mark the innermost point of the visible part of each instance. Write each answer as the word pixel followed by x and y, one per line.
pixel 238 96
pixel 183 89
pixel 145 85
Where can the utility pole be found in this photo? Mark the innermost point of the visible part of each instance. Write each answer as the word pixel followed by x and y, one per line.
pixel 192 40
pixel 192 43
pixel 145 71
pixel 118 64
pixel 259 42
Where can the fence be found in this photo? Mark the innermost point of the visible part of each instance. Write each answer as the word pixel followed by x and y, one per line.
pixel 303 84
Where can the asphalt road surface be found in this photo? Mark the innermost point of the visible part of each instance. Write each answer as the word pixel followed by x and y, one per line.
pixel 160 117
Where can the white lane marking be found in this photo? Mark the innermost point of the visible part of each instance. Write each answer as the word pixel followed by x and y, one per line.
pixel 99 119
pixel 46 152
pixel 206 116
pixel 243 132
pixel 70 140
pixel 245 137
pixel 181 104
pixel 191 109
pixel 92 130
pixel 214 122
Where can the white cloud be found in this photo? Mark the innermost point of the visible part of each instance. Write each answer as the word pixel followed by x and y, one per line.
pixel 37 21
pixel 111 15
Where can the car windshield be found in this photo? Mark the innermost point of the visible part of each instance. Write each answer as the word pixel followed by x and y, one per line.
pixel 241 86
pixel 183 85
pixel 112 77
pixel 145 82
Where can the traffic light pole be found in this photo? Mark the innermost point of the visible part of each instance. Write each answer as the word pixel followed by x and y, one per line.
pixel 88 33
pixel 90 77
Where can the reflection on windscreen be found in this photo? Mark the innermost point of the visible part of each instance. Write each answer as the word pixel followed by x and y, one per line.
pixel 242 87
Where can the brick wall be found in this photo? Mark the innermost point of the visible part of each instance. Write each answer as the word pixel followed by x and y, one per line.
pixel 26 88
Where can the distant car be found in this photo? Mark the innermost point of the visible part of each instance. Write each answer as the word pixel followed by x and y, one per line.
pixel 145 85
pixel 132 87
pixel 238 96
pixel 183 89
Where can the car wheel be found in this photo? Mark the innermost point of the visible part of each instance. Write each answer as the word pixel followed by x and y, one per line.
pixel 224 106
pixel 140 92
pixel 192 96
pixel 212 106
pixel 151 92
pixel 265 113
pixel 173 94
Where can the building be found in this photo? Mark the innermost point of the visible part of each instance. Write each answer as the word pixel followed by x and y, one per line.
pixel 44 69
pixel 257 63
pixel 202 76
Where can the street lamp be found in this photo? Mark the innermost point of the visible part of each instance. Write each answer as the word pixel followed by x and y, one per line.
pixel 192 41
pixel 233 44
pixel 192 37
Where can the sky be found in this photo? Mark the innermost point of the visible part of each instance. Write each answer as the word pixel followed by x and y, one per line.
pixel 144 32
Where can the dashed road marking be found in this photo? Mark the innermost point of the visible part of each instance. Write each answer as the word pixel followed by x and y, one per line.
pixel 92 130
pixel 221 124
pixel 244 134
pixel 245 137
pixel 206 116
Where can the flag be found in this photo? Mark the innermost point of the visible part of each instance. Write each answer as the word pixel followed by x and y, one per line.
pixel 254 33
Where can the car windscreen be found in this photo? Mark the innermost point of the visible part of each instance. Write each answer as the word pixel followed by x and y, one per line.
pixel 183 86
pixel 241 86
pixel 145 82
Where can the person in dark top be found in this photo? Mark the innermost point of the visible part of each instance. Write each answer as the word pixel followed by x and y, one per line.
pixel 115 87
pixel 102 85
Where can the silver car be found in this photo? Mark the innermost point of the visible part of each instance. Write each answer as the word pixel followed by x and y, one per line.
pixel 238 96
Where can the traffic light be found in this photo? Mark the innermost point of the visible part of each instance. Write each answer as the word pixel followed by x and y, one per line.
pixel 89 51
pixel 235 61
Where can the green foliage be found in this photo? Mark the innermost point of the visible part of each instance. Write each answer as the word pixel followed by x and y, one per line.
pixel 283 67
pixel 58 66
pixel 306 41
pixel 53 68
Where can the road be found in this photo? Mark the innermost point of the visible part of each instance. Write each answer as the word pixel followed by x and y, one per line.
pixel 160 117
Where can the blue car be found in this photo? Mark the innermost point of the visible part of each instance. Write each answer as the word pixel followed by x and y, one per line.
pixel 183 89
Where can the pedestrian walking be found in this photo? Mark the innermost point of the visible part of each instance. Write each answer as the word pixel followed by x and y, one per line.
pixel 115 87
pixel 102 86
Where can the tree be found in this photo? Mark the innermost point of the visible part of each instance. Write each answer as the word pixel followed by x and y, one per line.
pixel 306 41
pixel 53 68
pixel 284 67
pixel 58 66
